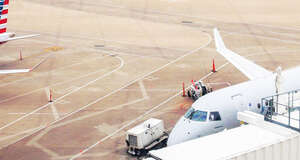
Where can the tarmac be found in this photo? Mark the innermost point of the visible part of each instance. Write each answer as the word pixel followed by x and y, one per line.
pixel 113 64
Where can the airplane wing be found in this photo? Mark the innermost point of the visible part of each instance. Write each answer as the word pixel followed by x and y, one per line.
pixel 22 37
pixel 247 67
pixel 9 71
pixel 14 71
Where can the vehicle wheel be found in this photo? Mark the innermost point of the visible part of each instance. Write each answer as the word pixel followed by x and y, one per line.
pixel 164 143
pixel 137 152
pixel 189 93
pixel 194 97
pixel 143 152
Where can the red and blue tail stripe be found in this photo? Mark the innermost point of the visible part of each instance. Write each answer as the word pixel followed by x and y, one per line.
pixel 4 2
pixel 3 15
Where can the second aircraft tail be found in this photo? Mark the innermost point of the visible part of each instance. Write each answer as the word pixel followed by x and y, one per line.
pixel 3 15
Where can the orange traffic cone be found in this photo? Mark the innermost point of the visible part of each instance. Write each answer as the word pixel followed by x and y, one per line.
pixel 194 84
pixel 214 67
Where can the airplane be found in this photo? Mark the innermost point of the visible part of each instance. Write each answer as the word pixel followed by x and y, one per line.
pixel 8 36
pixel 217 111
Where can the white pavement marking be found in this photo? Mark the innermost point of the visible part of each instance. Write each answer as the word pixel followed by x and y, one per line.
pixel 113 92
pixel 134 81
pixel 187 16
pixel 40 75
pixel 97 113
pixel 130 54
pixel 63 102
pixel 56 84
pixel 138 118
pixel 88 37
pixel 20 133
pixel 114 41
pixel 255 35
pixel 42 61
pixel 284 34
pixel 276 27
pixel 43 113
pixel 152 90
pixel 227 83
pixel 77 89
pixel 144 93
pixel 212 72
pixel 261 36
pixel 37 129
pixel 106 128
pixel 120 48
pixel 47 92
pixel 191 16
pixel 109 4
pixel 46 150
pixel 65 90
pixel 34 140
pixel 151 78
pixel 85 156
pixel 54 111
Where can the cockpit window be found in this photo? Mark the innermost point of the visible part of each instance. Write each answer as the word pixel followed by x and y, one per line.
pixel 189 112
pixel 214 116
pixel 196 115
pixel 199 116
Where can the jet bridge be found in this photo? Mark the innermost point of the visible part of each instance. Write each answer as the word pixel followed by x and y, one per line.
pixel 258 140
pixel 283 109
pixel 273 135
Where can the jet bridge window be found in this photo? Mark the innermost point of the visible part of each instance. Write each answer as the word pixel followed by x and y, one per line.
pixel 214 116
pixel 196 115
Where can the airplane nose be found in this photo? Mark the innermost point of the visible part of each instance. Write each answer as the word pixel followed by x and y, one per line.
pixel 179 133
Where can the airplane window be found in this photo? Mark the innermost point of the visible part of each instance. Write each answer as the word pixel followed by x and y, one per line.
pixel 189 113
pixel 199 116
pixel 214 116
pixel 196 115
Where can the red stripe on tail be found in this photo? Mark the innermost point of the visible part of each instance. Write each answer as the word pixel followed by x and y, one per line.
pixel 4 11
pixel 6 2
pixel 3 30
pixel 2 21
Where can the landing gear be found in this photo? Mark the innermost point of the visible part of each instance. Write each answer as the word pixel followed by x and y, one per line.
pixel 137 152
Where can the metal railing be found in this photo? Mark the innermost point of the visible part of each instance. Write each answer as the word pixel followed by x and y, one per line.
pixel 283 109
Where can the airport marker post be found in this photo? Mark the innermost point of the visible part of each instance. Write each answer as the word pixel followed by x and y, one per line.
pixel 183 90
pixel 20 56
pixel 50 96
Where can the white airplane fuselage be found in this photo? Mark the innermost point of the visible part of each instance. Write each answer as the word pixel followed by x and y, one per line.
pixel 228 102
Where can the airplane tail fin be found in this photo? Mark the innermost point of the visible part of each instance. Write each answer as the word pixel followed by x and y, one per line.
pixel 3 15
pixel 3 23
pixel 247 67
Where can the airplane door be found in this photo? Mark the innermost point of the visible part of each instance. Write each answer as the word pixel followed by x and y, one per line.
pixel 238 101
pixel 216 121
